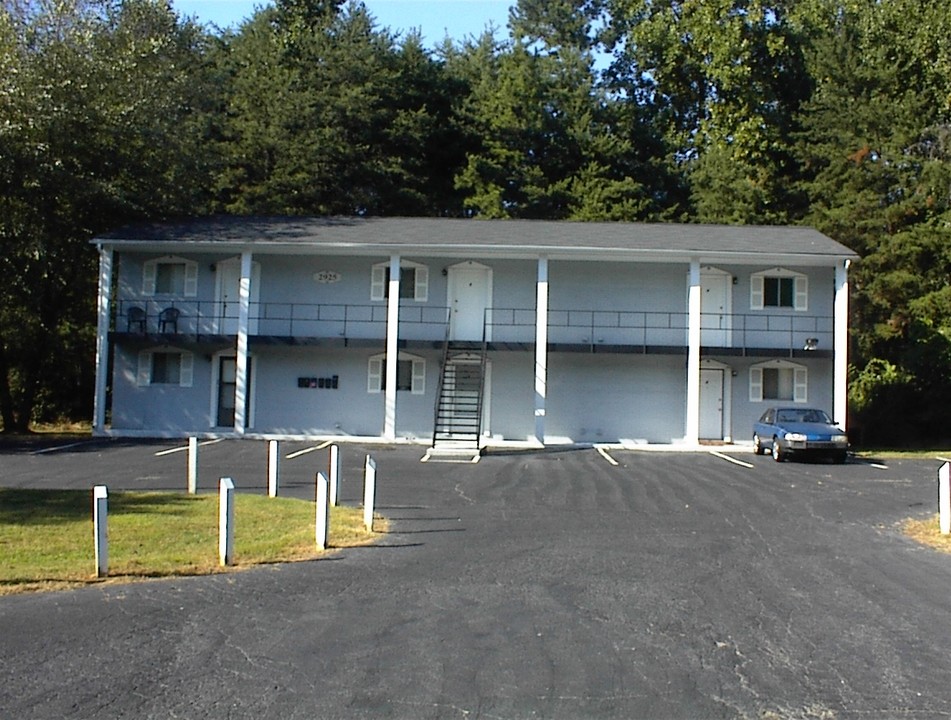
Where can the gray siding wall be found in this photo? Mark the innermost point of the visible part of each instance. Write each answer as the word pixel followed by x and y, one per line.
pixel 606 398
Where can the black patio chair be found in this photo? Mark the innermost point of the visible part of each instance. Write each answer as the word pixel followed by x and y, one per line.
pixel 135 318
pixel 168 317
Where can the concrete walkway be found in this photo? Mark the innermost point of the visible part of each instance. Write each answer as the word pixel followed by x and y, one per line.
pixel 554 585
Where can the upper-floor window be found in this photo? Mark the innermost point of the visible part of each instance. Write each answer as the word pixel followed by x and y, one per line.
pixel 414 281
pixel 410 374
pixel 166 367
pixel 172 276
pixel 779 288
pixel 779 380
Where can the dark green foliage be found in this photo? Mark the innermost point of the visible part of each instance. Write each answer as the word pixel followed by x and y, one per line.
pixel 833 114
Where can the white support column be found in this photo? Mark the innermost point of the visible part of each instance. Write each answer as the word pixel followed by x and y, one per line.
pixel 100 520
pixel 541 348
pixel 102 342
pixel 392 349
pixel 692 430
pixel 241 359
pixel 841 345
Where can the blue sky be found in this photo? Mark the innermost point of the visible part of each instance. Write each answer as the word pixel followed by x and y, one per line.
pixel 435 18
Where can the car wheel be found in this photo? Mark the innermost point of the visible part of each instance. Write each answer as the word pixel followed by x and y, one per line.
pixel 778 454
pixel 758 448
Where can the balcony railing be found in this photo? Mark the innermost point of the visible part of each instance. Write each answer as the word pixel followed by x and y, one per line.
pixel 592 328
pixel 645 329
pixel 292 320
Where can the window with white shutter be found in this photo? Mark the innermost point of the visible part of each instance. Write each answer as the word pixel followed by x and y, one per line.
pixel 170 276
pixel 410 374
pixel 779 380
pixel 779 288
pixel 414 281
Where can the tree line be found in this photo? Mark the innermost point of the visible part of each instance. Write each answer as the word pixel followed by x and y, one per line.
pixel 829 113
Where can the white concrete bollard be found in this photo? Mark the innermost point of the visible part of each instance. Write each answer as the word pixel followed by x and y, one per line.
pixel 944 498
pixel 322 518
pixel 192 465
pixel 225 521
pixel 273 467
pixel 334 475
pixel 369 493
pixel 100 521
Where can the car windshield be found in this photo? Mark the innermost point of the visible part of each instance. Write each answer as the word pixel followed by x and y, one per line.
pixel 803 416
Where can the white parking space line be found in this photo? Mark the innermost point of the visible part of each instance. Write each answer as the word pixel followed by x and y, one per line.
pixel 606 456
pixel 878 466
pixel 943 459
pixel 162 453
pixel 57 448
pixel 297 454
pixel 731 459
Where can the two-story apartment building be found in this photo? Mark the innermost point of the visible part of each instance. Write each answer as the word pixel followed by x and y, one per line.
pixel 471 330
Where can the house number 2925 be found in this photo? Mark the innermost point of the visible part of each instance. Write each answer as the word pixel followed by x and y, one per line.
pixel 325 277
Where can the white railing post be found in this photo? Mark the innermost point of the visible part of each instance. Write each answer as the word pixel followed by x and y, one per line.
pixel 944 498
pixel 192 465
pixel 334 475
pixel 100 517
pixel 273 467
pixel 322 519
pixel 369 493
pixel 225 521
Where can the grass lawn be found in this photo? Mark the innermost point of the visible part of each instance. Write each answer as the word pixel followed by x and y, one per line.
pixel 46 536
pixel 928 532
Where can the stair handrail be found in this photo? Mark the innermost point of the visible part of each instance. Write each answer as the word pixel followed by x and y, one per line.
pixel 442 375
pixel 482 365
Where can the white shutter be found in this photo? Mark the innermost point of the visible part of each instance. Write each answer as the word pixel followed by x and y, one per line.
pixel 756 384
pixel 375 375
pixel 378 283
pixel 186 369
pixel 801 292
pixel 419 377
pixel 149 271
pixel 800 385
pixel 191 279
pixel 422 283
pixel 144 374
pixel 756 292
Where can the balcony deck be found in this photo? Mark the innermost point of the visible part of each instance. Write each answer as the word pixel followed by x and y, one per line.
pixel 507 329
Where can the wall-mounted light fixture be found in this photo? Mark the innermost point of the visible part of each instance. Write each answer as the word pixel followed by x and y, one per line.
pixel 811 344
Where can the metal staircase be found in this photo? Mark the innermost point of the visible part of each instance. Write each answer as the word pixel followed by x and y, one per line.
pixel 458 416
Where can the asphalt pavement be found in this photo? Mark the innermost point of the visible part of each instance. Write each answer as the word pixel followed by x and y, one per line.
pixel 544 585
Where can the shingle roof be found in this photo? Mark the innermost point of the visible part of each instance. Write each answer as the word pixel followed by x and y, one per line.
pixel 494 236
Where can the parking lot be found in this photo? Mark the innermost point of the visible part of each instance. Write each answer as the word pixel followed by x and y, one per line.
pixel 571 584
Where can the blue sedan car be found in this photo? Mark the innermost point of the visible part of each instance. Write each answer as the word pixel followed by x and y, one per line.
pixel 787 431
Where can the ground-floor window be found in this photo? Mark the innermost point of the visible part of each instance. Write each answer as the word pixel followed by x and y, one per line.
pixel 780 381
pixel 166 367
pixel 410 374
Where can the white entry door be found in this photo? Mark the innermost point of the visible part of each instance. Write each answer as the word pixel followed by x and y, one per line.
pixel 711 404
pixel 470 291
pixel 228 290
pixel 716 320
